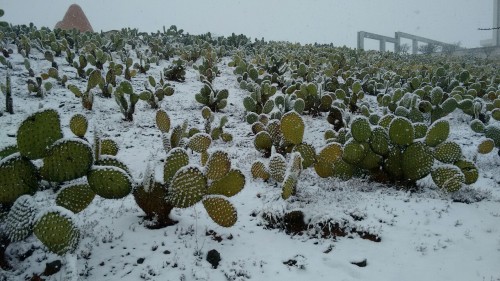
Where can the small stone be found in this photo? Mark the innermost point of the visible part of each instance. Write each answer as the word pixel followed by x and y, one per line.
pixel 213 257
pixel 166 252
pixel 362 263
pixel 140 260
pixel 52 268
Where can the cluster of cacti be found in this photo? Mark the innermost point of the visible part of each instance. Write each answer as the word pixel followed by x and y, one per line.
pixel 107 82
pixel 184 185
pixel 208 69
pixel 216 100
pixel 96 56
pixel 216 132
pixel 127 105
pixel 64 159
pixel 158 93
pixel 259 101
pixel 176 72
pixel 87 96
pixel 304 72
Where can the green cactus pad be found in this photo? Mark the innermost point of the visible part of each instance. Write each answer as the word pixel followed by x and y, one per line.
pixel 308 154
pixel 477 126
pixel 438 133
pixel 493 132
pixel 354 151
pixel 371 161
pixel 38 132
pixel 360 129
pixel 292 127
pixel 449 178
pixel 323 169
pixel 259 171
pixel 218 165
pixel 295 164
pixel 330 153
pixel 78 125
pixel 289 187
pixel 274 130
pixel 393 163
pixel 420 130
pixel 401 131
pixel 75 197
pixel 108 160
pixel 343 170
pixel 109 147
pixel 221 211
pixel 56 229
pixel 277 167
pixel 469 170
pixel 188 187
pixel 417 161
pixel 448 152
pixel 230 185
pixel 163 121
pixel 150 197
pixel 386 120
pixel 486 146
pixel 200 142
pixel 379 141
pixel 67 159
pixel 176 136
pixel 175 160
pixel 495 113
pixel 21 218
pixel 109 182
pixel 18 176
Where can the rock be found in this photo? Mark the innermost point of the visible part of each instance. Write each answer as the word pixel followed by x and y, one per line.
pixel 213 257
pixel 362 263
pixel 294 222
pixel 75 19
pixel 52 268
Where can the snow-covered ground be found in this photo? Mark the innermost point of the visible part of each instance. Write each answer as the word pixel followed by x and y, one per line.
pixel 423 235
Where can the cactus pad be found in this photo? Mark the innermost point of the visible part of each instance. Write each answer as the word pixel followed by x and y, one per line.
pixel 37 132
pixel 109 147
pixel 401 131
pixel 230 185
pixel 379 141
pixel 151 199
pixel 188 187
pixel 67 159
pixel 343 170
pixel 277 167
pixel 420 130
pixel 493 132
pixel 416 161
pixel 477 126
pixel 259 171
pixel 308 154
pixel 18 176
pixel 469 170
pixel 218 165
pixel 78 125
pixel 21 218
pixel 108 160
pixel 8 150
pixel 323 169
pixel 449 178
pixel 109 182
pixel 448 152
pixel 163 121
pixel 57 231
pixel 360 129
pixel 221 211
pixel 438 133
pixel 292 127
pixel 200 142
pixel 486 146
pixel 330 153
pixel 176 159
pixel 75 197
pixel 289 187
pixel 354 151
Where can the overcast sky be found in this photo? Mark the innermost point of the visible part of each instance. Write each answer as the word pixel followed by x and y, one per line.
pixel 304 21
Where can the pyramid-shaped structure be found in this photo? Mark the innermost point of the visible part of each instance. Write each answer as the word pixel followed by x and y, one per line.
pixel 75 19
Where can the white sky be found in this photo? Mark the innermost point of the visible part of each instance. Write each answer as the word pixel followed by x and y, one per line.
pixel 304 21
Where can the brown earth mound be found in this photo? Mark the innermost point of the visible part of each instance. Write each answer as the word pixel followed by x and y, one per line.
pixel 75 19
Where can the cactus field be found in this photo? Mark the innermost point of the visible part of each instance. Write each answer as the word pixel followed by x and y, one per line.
pixel 130 156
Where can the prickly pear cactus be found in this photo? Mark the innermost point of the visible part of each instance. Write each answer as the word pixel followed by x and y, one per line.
pixel 188 187
pixel 108 160
pixel 75 197
pixel 486 146
pixel 360 129
pixel 259 171
pixel 231 184
pixel 163 121
pixel 21 218
pixel 18 176
pixel 200 142
pixel 109 147
pixel 66 160
pixel 220 211
pixel 449 178
pixel 78 125
pixel 218 165
pixel 38 132
pixel 176 159
pixel 469 170
pixel 417 161
pixel 493 132
pixel 57 230
pixel 263 142
pixel 401 131
pixel 354 152
pixel 448 152
pixel 277 167
pixel 289 186
pixel 308 154
pixel 292 127
pixel 438 133
pixel 380 141
pixel 8 150
pixel 109 182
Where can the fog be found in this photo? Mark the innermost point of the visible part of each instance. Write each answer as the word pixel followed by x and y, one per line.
pixel 322 21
